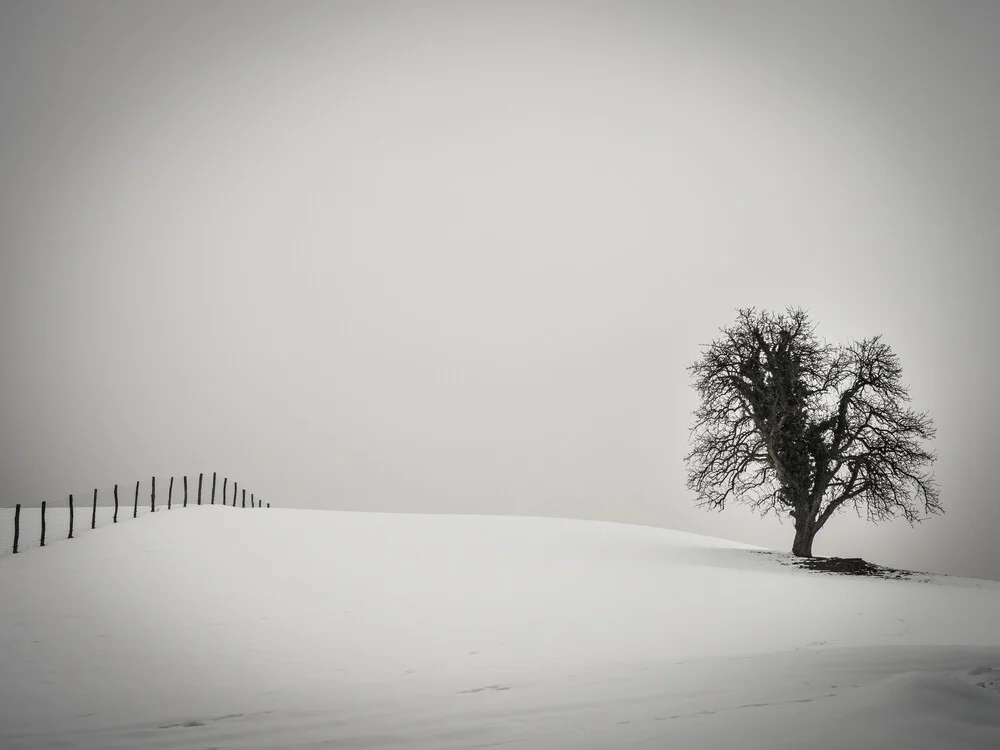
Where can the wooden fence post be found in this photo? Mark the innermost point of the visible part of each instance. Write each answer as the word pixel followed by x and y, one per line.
pixel 43 523
pixel 152 497
pixel 224 480
pixel 135 505
pixel 244 498
pixel 115 519
pixel 251 499
pixel 185 491
pixel 17 525
pixel 213 487
pixel 70 517
pixel 234 494
pixel 93 513
pixel 170 493
pixel 200 477
pixel 269 505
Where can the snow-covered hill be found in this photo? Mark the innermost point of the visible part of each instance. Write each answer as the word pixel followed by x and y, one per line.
pixel 209 627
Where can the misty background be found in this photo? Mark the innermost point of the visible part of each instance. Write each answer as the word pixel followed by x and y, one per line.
pixel 455 257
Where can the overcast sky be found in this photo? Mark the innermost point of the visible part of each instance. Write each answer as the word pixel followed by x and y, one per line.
pixel 455 257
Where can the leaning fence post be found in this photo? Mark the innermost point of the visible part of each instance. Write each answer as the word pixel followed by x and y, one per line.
pixel 213 487
pixel 251 499
pixel 170 492
pixel 17 525
pixel 135 505
pixel 224 480
pixel 43 523
pixel 234 494
pixel 200 477
pixel 185 491
pixel 93 514
pixel 115 519
pixel 70 517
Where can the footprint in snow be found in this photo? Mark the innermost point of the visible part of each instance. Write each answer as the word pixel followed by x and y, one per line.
pixel 989 678
pixel 199 722
pixel 488 687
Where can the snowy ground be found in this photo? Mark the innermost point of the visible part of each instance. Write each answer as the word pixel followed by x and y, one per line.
pixel 211 627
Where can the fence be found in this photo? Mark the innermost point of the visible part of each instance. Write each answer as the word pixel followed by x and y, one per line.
pixel 23 528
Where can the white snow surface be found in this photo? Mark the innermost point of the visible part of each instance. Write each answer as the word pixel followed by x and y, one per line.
pixel 214 627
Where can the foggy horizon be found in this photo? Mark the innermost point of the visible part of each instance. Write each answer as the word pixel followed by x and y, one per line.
pixel 456 257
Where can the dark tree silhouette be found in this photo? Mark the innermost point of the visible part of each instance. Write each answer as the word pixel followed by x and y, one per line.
pixel 790 424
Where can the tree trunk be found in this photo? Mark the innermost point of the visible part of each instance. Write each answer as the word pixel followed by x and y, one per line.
pixel 803 543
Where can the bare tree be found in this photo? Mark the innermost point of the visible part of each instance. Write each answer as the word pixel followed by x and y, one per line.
pixel 790 424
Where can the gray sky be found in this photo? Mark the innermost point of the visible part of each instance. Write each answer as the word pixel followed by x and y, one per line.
pixel 455 257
